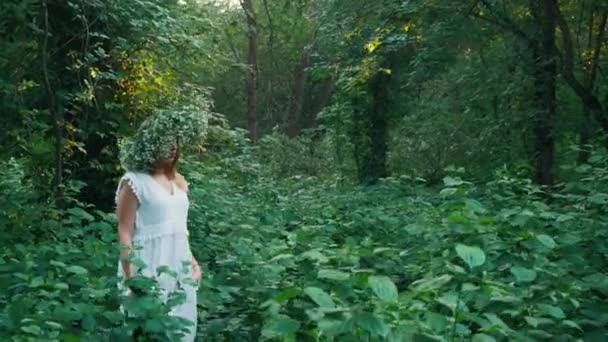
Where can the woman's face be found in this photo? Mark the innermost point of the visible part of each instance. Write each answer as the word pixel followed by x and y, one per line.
pixel 172 152
pixel 170 156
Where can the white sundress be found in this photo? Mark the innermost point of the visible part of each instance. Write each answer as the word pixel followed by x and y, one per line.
pixel 161 232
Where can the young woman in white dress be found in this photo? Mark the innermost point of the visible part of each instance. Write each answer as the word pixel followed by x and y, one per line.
pixel 152 210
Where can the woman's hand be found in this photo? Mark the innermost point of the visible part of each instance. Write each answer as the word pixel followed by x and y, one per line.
pixel 195 271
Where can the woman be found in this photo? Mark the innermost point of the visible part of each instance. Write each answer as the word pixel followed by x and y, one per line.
pixel 152 210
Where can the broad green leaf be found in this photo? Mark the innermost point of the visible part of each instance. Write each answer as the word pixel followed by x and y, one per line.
pixel 546 240
pixel 461 330
pixel 551 310
pixel 468 287
pixel 113 316
pixel 402 333
pixel 532 321
pixel 287 294
pixel 372 323
pixel 58 263
pixel 331 327
pixel 431 284
pixel 37 282
pixel 599 198
pixel 523 275
pixel 564 218
pixel 53 325
pixel 333 275
pixel 89 323
pixel 384 288
pixel 572 324
pixel 62 286
pixel 282 256
pixel 447 192
pixel 154 325
pixel 450 300
pixel 437 322
pixel 77 269
pixel 32 329
pixel 451 182
pixel 475 206
pixel 320 297
pixel 314 254
pixel 495 320
pixel 472 256
pixel 280 326
pixel 382 250
pixel 483 338
pixel 80 213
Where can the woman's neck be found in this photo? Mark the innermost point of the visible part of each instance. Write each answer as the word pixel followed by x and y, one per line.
pixel 167 172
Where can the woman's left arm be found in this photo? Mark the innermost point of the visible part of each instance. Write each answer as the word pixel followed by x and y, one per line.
pixel 197 274
pixel 196 269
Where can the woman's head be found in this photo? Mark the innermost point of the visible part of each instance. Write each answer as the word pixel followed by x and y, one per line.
pixel 167 162
pixel 156 145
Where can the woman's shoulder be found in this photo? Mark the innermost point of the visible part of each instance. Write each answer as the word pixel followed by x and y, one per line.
pixel 136 179
pixel 181 181
pixel 135 175
pixel 135 182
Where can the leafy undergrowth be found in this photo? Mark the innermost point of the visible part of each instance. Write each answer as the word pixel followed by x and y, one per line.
pixel 306 260
pixel 399 262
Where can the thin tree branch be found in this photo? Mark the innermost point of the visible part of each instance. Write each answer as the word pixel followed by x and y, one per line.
pixel 270 28
pixel 502 20
pixel 586 95
pixel 249 15
pixel 76 36
pixel 57 122
pixel 597 51
pixel 568 55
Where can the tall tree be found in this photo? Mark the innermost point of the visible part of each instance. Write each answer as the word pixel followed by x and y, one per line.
pixel 56 113
pixel 252 72
pixel 293 119
pixel 585 86
pixel 543 48
pixel 540 41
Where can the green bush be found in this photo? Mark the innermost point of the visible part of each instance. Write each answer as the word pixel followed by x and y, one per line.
pixel 308 260
pixel 58 274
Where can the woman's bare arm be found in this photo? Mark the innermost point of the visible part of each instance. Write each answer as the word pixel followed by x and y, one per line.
pixel 196 270
pixel 125 211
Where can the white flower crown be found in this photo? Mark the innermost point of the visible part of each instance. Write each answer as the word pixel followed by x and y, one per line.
pixel 184 125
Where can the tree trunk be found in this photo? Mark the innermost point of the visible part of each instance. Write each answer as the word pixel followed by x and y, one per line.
pixel 379 126
pixel 320 101
pixel 370 129
pixel 586 131
pixel 585 138
pixel 544 52
pixel 56 117
pixel 586 92
pixel 359 103
pixel 252 62
pixel 293 120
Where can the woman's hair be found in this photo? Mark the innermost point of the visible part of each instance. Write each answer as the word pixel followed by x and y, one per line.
pixel 170 169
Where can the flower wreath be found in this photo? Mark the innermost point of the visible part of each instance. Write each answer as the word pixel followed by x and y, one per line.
pixel 183 125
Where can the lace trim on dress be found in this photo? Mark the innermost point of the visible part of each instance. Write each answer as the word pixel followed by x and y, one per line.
pixel 127 179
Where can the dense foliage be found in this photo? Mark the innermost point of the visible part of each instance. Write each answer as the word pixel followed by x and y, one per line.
pixel 308 260
pixel 380 170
